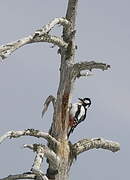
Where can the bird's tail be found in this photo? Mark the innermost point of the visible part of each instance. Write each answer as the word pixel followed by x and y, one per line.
pixel 71 131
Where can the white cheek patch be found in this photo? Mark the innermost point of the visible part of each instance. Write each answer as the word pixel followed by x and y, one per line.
pixel 87 102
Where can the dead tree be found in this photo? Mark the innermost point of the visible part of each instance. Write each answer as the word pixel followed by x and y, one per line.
pixel 59 151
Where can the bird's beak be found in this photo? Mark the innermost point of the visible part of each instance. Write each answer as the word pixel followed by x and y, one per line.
pixel 80 99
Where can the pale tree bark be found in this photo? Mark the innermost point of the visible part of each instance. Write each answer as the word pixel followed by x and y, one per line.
pixel 59 151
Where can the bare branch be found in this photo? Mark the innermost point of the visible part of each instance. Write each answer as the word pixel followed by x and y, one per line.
pixel 44 151
pixel 36 167
pixel 89 65
pixel 27 175
pixel 40 176
pixel 50 39
pixel 38 159
pixel 85 74
pixel 28 132
pixel 6 50
pixel 47 28
pixel 47 102
pixel 95 143
pixel 40 35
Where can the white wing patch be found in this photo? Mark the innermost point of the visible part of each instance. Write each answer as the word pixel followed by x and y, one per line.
pixel 74 109
pixel 82 112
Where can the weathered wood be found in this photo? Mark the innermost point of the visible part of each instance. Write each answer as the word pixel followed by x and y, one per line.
pixel 61 112
pixel 41 35
pixel 29 132
pixel 60 152
pixel 47 102
pixel 95 143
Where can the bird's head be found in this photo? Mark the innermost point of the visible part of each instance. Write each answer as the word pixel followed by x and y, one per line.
pixel 85 101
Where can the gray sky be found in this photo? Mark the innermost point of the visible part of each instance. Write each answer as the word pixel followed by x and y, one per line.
pixel 31 74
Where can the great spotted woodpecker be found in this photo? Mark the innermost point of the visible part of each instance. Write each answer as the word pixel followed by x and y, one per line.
pixel 78 113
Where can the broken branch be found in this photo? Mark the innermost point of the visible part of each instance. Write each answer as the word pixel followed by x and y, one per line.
pixel 28 132
pixel 27 175
pixel 95 143
pixel 40 35
pixel 45 151
pixel 78 67
pixel 47 102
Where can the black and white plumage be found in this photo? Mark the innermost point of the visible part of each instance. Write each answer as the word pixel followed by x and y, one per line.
pixel 78 113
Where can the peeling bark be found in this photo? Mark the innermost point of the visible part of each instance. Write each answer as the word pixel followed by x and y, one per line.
pixel 95 143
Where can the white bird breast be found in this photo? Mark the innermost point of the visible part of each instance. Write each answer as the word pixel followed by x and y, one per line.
pixel 74 109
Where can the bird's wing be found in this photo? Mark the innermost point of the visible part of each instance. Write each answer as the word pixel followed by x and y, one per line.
pixel 75 111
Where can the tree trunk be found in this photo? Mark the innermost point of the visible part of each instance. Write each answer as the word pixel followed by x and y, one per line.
pixel 61 110
pixel 60 152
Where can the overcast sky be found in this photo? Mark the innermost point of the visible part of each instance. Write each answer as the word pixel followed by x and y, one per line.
pixel 32 73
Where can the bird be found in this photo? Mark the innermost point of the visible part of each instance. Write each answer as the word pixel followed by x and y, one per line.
pixel 77 113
